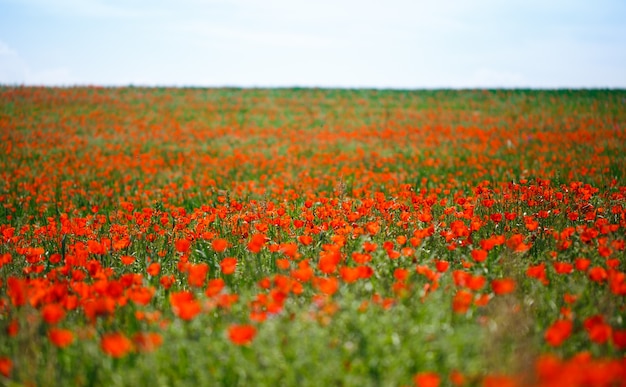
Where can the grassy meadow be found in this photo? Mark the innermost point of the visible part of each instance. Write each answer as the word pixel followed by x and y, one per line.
pixel 312 237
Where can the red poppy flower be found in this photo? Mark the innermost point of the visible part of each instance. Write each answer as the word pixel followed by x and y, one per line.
pixel 479 255
pixel 598 274
pixel 462 301
pixel 442 266
pixel 182 245
pixel 619 338
pixel 214 287
pixel 256 243
pixel 53 313
pixel 349 274
pixel 154 269
pixel 326 285
pixel 228 265
pixel 563 267
pixel 116 344
pixel 476 282
pixel 558 332
pixel 197 274
pixel 219 245
pixel 241 334
pixel 427 379
pixel 147 342
pixel 6 365
pixel 185 305
pixel 61 337
pixel 503 286
pixel 305 239
pixel 127 259
pixel 582 264
pixel 598 331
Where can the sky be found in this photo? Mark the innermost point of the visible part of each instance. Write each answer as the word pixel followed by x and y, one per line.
pixel 401 44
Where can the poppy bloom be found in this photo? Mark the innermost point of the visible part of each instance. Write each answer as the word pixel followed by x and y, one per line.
pixel 349 274
pixel 241 334
pixel 457 378
pixel 460 277
pixel 369 247
pixel 228 265
pixel 141 295
pixel 53 313
pixel 219 245
pixel 17 291
pixel 361 258
pixel 147 342
pixel 197 274
pixel 499 381
pixel 442 266
pixel 479 255
pixel 326 285
pixel 328 261
pixel 182 245
pixel 184 305
pixel 538 272
pixel 427 379
pixel 516 243
pixel 96 248
pixel 496 218
pixel 6 365
pixel 154 269
pixel 619 338
pixel 570 298
pixel 116 344
pixel 256 243
pixel 582 264
pixel 214 287
pixel 400 274
pixel 365 272
pixel 558 332
pixel 290 250
pixel 61 337
pixel 13 329
pixel 167 281
pixel 482 300
pixel 599 331
pixel 462 301
pixel 305 239
pixel 503 286
pixel 563 267
pixel 303 273
pixel 598 274
pixel 127 260
pixel 372 228
pixel 407 251
pixel 476 282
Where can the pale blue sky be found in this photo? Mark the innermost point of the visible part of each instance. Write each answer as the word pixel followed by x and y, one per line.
pixel 323 43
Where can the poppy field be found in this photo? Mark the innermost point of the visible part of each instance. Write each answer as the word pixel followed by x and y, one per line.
pixel 312 237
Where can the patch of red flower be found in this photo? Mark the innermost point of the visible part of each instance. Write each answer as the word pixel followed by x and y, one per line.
pixel 60 337
pixel 503 286
pixel 116 344
pixel 241 334
pixel 558 332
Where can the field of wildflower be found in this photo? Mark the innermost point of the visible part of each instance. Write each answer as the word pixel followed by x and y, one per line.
pixel 312 237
